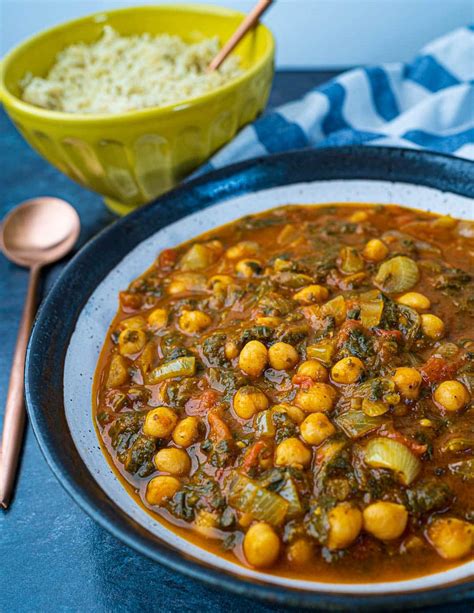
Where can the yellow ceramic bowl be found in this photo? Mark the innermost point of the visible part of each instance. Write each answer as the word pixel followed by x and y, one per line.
pixel 133 157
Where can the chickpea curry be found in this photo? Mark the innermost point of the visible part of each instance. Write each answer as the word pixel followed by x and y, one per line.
pixel 294 390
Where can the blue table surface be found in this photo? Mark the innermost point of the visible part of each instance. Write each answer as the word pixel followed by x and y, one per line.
pixel 53 556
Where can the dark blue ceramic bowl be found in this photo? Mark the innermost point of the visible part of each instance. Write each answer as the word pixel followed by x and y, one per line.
pixel 74 318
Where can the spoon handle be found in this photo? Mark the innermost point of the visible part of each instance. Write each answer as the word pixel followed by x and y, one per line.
pixel 14 419
pixel 248 23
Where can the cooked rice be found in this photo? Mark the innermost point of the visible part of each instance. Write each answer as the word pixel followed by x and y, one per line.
pixel 125 73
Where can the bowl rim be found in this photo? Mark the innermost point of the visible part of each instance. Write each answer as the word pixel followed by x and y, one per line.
pixel 11 101
pixel 44 370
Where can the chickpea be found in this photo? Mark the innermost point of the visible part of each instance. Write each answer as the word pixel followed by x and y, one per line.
pixel 253 358
pixel 345 524
pixel 160 422
pixel 176 287
pixel 375 250
pixel 426 423
pixel 407 381
pixel 432 326
pixel 249 400
pixel 158 318
pixel 160 489
pixel 359 216
pixel 248 268
pixel 283 356
pixel 133 323
pixel 194 321
pixel 220 282
pixel 292 452
pixel 347 370
pixel 316 428
pixel 294 413
pixel 300 552
pixel 451 537
pixel 242 250
pixel 415 301
pixel 220 285
pixel 314 370
pixel 311 294
pixel 452 395
pixel 118 371
pixel 319 397
pixel 261 545
pixel 173 461
pixel 385 520
pixel 131 341
pixel 187 431
pixel 231 350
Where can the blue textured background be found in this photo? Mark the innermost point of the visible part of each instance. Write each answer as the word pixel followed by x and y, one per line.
pixel 52 556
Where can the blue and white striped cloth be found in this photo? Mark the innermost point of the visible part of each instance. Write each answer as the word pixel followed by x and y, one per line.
pixel 426 104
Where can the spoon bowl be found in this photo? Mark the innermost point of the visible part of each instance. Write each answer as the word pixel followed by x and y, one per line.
pixel 39 231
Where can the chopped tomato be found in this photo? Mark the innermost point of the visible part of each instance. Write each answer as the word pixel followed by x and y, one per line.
pixel 167 259
pixel 438 369
pixel 302 380
pixel 417 448
pixel 255 451
pixel 130 302
pixel 218 429
pixel 391 335
pixel 202 404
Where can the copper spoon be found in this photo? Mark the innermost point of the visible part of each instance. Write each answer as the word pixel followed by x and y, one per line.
pixel 37 232
pixel 246 25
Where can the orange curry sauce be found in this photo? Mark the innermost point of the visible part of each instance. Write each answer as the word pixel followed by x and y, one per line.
pixel 294 390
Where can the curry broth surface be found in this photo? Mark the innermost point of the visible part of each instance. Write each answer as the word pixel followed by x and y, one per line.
pixel 300 246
